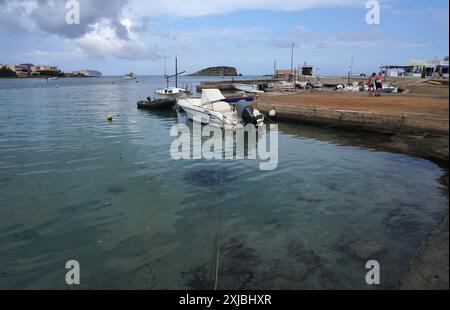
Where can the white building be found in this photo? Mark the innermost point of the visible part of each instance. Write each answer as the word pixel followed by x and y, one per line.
pixel 419 68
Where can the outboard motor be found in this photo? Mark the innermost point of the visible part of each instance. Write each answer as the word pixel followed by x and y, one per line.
pixel 245 111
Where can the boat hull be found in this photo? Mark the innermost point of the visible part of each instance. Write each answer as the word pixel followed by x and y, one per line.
pixel 201 115
pixel 235 100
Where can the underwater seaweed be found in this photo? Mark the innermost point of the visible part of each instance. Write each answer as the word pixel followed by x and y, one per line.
pixel 199 278
pixel 116 190
pixel 208 177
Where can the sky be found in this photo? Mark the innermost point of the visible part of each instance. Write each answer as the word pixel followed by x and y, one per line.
pixel 121 36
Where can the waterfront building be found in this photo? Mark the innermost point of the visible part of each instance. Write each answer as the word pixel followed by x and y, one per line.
pixel 22 70
pixel 419 68
pixel 287 75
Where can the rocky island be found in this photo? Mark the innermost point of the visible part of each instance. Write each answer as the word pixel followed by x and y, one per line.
pixel 216 71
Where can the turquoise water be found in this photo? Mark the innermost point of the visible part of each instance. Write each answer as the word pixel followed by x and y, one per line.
pixel 74 186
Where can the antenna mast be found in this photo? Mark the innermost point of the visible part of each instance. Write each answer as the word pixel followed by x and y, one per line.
pixel 176 71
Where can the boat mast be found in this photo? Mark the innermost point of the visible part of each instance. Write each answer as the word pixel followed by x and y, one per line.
pixel 176 72
pixel 165 72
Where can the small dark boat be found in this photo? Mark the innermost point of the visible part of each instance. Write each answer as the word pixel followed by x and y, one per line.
pixel 156 103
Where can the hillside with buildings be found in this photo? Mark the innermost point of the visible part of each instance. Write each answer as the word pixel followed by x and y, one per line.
pixel 41 71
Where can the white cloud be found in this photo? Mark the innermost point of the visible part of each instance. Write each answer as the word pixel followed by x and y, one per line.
pixel 301 31
pixel 103 42
pixel 49 15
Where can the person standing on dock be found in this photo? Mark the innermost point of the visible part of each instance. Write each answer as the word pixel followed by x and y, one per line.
pixel 379 84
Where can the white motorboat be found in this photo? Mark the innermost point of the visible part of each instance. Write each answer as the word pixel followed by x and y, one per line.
pixel 389 89
pixel 52 78
pixel 252 89
pixel 302 85
pixel 316 85
pixel 174 93
pixel 211 109
pixel 130 76
pixel 282 85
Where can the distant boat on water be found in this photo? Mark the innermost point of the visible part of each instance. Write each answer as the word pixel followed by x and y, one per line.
pixel 52 78
pixel 130 76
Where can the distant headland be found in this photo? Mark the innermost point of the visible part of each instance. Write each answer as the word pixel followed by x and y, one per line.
pixel 216 71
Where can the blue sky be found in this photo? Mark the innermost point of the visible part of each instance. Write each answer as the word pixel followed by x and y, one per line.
pixel 119 36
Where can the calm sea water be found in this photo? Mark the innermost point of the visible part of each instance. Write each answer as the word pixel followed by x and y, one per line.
pixel 74 186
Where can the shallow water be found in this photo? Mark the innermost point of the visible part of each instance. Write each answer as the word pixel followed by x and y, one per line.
pixel 74 186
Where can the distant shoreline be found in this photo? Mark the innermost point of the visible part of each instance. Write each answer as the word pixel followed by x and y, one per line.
pixel 44 77
pixel 120 76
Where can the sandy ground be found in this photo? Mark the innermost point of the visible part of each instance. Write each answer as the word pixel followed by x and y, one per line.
pixel 410 104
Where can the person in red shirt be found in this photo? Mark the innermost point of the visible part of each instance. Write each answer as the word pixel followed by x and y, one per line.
pixel 371 83
pixel 379 84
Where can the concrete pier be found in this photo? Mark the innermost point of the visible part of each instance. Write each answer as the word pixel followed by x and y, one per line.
pixel 389 113
pixel 227 85
pixel 418 123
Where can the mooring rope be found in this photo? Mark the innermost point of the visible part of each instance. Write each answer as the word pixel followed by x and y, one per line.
pixel 216 282
pixel 218 234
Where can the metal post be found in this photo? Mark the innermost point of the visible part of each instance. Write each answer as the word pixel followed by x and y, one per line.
pixel 176 72
pixel 348 78
pixel 165 72
pixel 351 66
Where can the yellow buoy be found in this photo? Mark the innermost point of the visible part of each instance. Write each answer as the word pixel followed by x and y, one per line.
pixel 109 118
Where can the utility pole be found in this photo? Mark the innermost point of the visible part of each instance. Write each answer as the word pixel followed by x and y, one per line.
pixel 351 66
pixel 292 59
pixel 349 74
pixel 274 68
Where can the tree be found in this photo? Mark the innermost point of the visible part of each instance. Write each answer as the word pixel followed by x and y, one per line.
pixel 51 73
pixel 6 72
